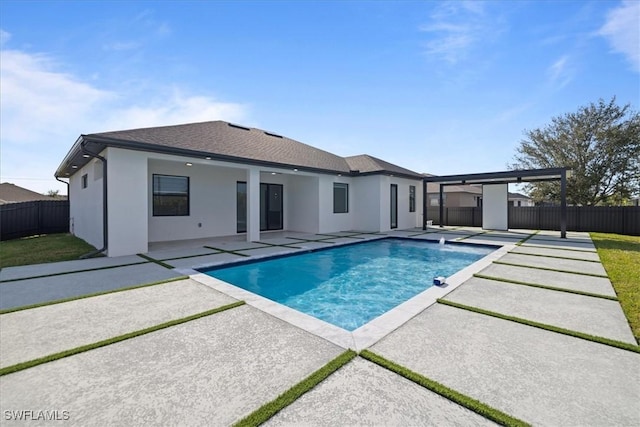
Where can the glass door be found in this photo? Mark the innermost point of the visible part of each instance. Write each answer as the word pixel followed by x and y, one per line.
pixel 394 206
pixel 271 217
pixel 271 211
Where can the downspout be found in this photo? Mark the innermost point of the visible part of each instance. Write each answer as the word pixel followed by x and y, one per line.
pixel 105 225
pixel 68 195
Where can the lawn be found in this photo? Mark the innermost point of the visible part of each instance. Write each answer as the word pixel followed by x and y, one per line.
pixel 620 256
pixel 41 249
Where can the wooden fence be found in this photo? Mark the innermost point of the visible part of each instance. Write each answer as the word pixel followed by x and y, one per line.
pixel 31 218
pixel 606 219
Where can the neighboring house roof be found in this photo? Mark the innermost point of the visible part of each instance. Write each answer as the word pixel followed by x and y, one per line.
pixel 217 139
pixel 518 196
pixel 11 193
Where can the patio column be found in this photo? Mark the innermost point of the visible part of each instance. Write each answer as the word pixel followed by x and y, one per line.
pixel 563 204
pixel 424 205
pixel 441 204
pixel 253 205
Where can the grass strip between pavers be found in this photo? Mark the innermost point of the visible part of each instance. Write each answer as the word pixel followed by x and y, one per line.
pixel 527 238
pixel 444 391
pixel 326 240
pixel 233 252
pixel 269 409
pixel 50 358
pixel 551 288
pixel 551 328
pixel 156 261
pixel 42 276
pixel 551 269
pixel 273 245
pixel 97 294
pixel 553 256
pixel 471 235
pixel 564 248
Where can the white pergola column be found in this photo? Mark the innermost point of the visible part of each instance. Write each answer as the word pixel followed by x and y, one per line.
pixel 495 206
pixel 253 205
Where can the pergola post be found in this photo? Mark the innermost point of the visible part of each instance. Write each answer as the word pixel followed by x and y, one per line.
pixel 563 204
pixel 441 204
pixel 424 205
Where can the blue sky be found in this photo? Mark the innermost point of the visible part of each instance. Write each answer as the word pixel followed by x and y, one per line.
pixel 438 87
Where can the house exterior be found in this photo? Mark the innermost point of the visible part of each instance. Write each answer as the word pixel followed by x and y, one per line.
pixel 133 187
pixel 520 200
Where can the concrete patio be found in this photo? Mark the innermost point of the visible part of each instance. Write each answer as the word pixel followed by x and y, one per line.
pixel 218 368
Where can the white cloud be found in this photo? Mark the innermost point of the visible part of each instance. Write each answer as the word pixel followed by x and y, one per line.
pixel 4 37
pixel 44 109
pixel 456 27
pixel 560 73
pixel 622 30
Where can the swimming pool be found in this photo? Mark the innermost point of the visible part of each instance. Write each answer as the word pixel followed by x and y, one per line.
pixel 350 285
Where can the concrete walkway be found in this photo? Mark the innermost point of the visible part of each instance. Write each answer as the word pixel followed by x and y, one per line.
pixel 217 369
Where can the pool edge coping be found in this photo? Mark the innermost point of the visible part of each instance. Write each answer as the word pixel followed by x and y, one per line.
pixel 369 333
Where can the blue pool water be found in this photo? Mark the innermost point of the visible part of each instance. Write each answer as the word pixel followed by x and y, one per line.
pixel 350 285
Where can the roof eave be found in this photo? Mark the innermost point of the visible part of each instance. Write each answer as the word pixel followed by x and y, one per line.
pixel 103 142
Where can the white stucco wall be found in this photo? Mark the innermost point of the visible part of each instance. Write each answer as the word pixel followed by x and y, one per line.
pixel 302 204
pixel 86 211
pixel 328 221
pixel 366 203
pixel 127 202
pixel 406 219
pixel 495 213
pixel 212 201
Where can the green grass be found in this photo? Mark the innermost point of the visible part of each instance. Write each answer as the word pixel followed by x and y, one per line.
pixel 552 288
pixel 459 398
pixel 551 328
pixel 50 358
pixel 549 269
pixel 620 256
pixel 42 249
pixel 269 409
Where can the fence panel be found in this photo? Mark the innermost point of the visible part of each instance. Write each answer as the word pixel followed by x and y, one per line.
pixel 606 219
pixel 31 218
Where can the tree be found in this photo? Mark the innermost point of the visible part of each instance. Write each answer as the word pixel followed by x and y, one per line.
pixel 600 143
pixel 53 193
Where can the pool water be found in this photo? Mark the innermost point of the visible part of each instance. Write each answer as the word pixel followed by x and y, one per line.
pixel 350 285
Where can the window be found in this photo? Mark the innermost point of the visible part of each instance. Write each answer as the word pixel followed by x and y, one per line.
pixel 412 198
pixel 85 181
pixel 170 195
pixel 340 197
pixel 241 207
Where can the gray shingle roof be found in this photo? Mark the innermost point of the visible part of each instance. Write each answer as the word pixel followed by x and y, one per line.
pixel 369 164
pixel 225 139
pixel 227 142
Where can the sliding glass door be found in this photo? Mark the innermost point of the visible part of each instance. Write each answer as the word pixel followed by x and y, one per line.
pixel 271 208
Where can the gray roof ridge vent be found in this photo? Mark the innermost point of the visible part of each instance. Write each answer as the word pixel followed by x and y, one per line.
pixel 233 125
pixel 275 135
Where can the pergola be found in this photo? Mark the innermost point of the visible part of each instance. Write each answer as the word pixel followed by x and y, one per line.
pixel 498 182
